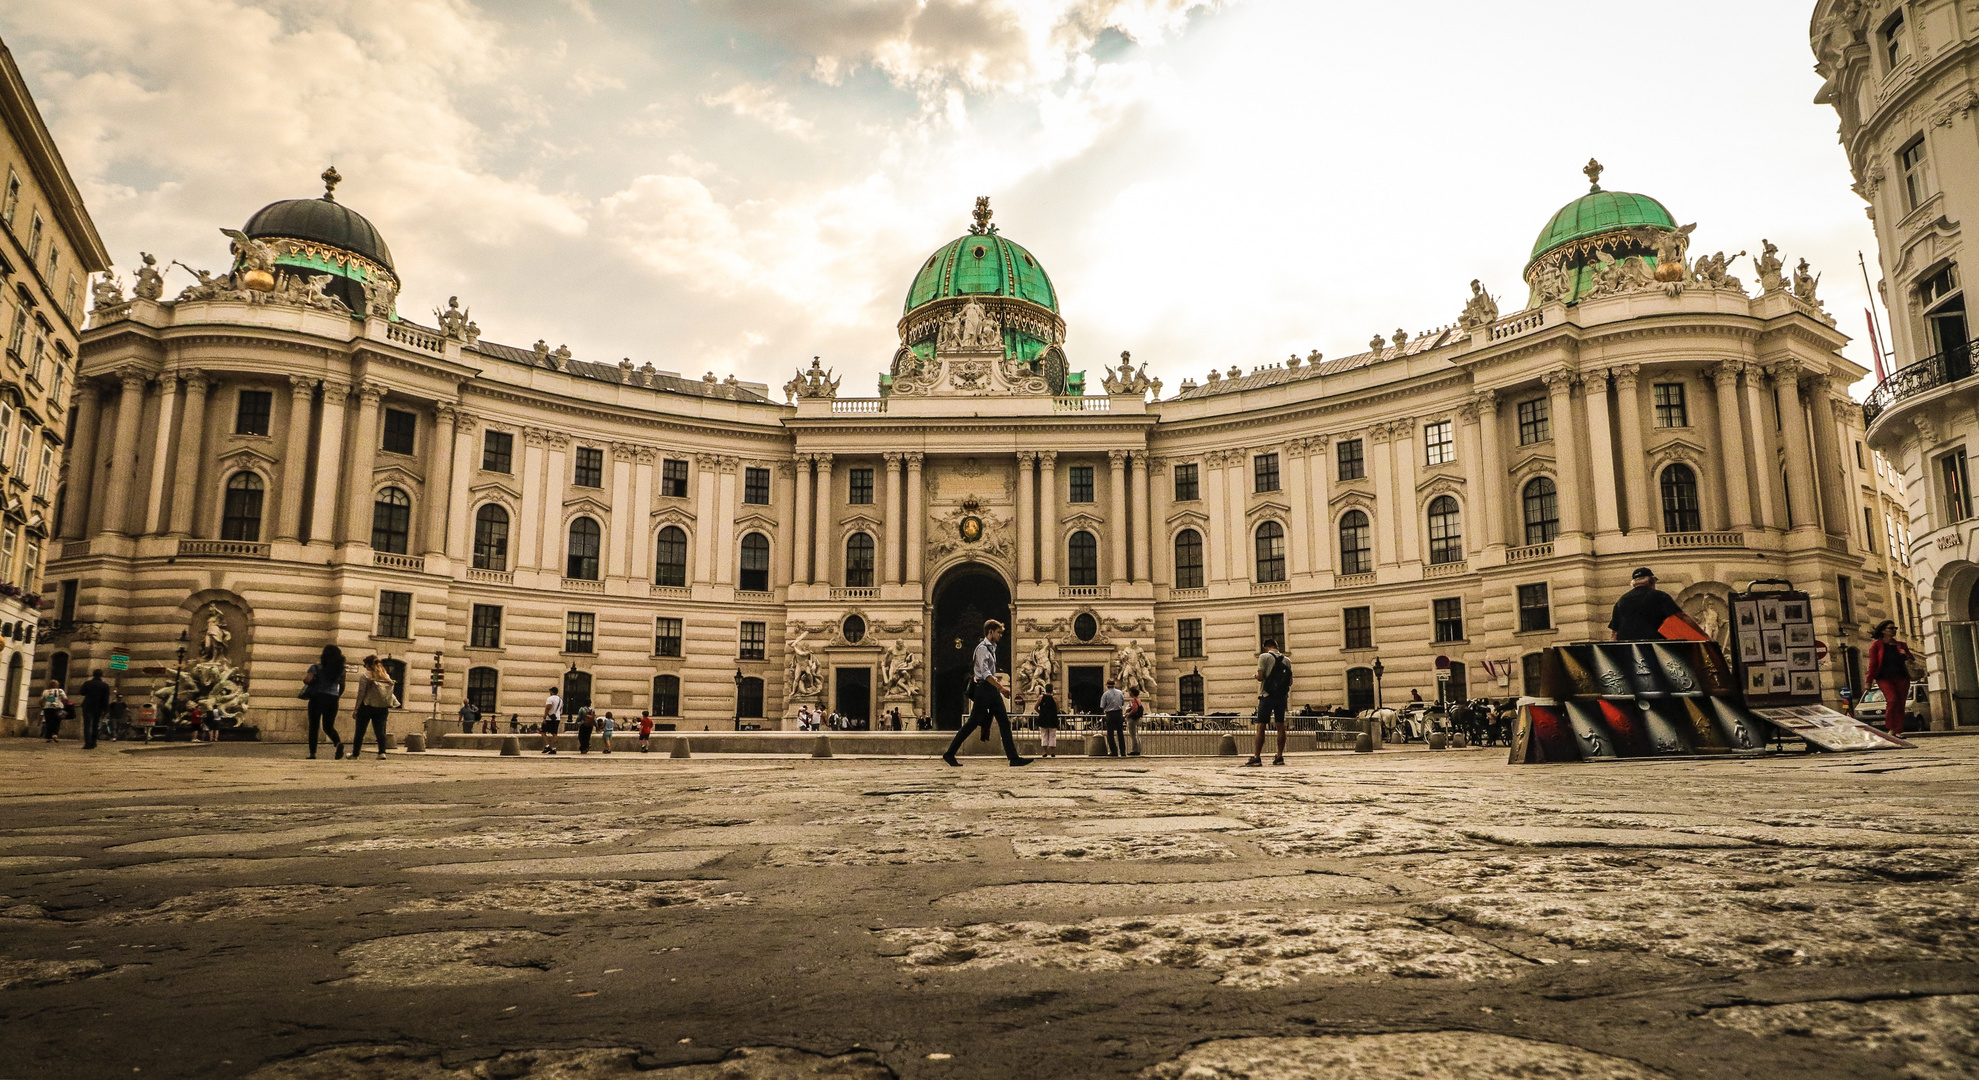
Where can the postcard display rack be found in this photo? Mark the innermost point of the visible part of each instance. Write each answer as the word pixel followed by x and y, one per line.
pixel 1777 666
pixel 1616 699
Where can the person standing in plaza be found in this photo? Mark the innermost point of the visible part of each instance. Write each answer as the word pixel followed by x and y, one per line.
pixel 587 722
pixel 1274 676
pixel 1113 710
pixel 1889 666
pixel 1047 714
pixel 376 698
pixel 95 702
pixel 54 701
pixel 645 731
pixel 606 724
pixel 1136 712
pixel 1639 614
pixel 552 719
pixel 986 692
pixel 470 715
pixel 323 687
pixel 514 722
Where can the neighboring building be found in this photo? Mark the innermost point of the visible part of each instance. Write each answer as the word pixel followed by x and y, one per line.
pixel 313 467
pixel 1904 77
pixel 48 250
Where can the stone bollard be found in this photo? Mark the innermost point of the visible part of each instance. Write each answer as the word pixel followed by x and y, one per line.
pixel 415 743
pixel 821 748
pixel 511 746
pixel 1364 743
pixel 1228 747
pixel 1438 740
pixel 1095 744
pixel 1459 741
pixel 680 748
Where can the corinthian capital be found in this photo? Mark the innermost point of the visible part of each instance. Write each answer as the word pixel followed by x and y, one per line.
pixel 1625 375
pixel 1139 458
pixel 1727 372
pixel 371 393
pixel 1048 458
pixel 302 386
pixel 1026 458
pixel 1561 381
pixel 1117 458
pixel 1785 371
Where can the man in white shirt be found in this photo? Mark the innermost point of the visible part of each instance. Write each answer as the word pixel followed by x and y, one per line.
pixel 552 719
pixel 987 693
pixel 1113 709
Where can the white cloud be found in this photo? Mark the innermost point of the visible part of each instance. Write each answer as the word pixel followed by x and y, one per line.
pixel 761 103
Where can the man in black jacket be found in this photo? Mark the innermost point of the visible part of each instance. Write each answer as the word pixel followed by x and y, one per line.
pixel 95 702
pixel 1639 614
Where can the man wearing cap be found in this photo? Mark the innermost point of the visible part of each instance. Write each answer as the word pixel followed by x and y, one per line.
pixel 1639 614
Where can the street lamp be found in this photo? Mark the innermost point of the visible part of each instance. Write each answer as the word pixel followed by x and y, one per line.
pixel 1379 667
pixel 438 676
pixel 179 682
pixel 738 699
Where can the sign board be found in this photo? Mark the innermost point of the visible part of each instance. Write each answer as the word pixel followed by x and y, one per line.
pixel 119 662
pixel 1820 650
pixel 1773 633
pixel 1825 729
pixel 1442 663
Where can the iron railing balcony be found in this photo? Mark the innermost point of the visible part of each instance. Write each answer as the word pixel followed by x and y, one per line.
pixel 1947 367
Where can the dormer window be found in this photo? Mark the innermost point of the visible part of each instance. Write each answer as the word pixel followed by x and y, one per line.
pixel 1893 43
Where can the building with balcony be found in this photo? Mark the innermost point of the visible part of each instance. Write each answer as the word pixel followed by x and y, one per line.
pixel 48 250
pixel 1904 79
pixel 295 455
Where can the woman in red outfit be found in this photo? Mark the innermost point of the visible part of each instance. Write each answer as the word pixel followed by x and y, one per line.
pixel 1887 667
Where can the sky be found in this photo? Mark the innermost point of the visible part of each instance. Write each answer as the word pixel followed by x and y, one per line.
pixel 737 186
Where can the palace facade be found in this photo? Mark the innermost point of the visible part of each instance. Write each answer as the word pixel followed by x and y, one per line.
pixel 281 451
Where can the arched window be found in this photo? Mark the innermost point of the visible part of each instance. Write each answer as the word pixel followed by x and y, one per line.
pixel 1360 689
pixel 391 521
pixel 1271 552
pixel 491 538
pixel 1680 512
pixel 240 514
pixel 1082 559
pixel 749 699
pixel 1542 511
pixel 586 539
pixel 859 561
pixel 576 691
pixel 670 565
pixel 1189 696
pixel 666 695
pixel 755 575
pixel 1356 556
pixel 1188 559
pixel 481 685
pixel 1446 532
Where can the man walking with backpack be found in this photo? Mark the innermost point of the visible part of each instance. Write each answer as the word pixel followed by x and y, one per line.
pixel 1274 676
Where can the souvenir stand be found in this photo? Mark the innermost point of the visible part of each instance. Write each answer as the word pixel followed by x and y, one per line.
pixel 1618 699
pixel 1777 662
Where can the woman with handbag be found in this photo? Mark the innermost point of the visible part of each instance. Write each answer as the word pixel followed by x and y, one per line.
pixel 323 688
pixel 1892 667
pixel 375 701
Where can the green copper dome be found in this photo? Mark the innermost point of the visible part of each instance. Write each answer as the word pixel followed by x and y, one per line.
pixel 1599 212
pixel 982 263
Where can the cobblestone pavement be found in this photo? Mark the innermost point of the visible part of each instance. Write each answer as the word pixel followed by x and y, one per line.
pixel 221 911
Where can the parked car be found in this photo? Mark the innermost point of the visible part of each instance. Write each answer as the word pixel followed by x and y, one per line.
pixel 1916 713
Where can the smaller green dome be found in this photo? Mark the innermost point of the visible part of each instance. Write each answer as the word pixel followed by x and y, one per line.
pixel 1599 212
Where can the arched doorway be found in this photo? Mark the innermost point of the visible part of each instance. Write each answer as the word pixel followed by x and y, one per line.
pixel 964 598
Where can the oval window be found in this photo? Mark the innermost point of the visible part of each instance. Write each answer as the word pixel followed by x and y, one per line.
pixel 1028 262
pixel 854 629
pixel 981 251
pixel 1085 627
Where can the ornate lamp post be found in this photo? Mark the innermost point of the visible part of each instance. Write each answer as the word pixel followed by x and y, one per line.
pixel 435 680
pixel 738 699
pixel 1379 667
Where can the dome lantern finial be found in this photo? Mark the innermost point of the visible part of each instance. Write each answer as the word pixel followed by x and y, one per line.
pixel 982 227
pixel 1593 172
pixel 331 178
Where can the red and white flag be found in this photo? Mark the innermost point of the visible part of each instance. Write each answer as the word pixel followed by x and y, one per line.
pixel 1875 345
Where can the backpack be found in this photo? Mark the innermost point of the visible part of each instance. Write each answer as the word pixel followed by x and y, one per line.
pixel 1279 682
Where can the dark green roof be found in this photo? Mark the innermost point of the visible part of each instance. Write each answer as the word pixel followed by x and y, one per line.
pixel 982 264
pixel 1598 212
pixel 323 221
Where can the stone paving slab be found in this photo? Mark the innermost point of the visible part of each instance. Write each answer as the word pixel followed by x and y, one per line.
pixel 660 861
pixel 1569 836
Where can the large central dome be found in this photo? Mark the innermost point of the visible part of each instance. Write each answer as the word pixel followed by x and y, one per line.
pixel 981 263
pixel 987 271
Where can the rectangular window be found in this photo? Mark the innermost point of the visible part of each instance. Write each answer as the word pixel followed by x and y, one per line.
pixel 1845 595
pixel 1439 444
pixel 1189 638
pixel 1271 628
pixel 498 451
pixel 485 629
pixel 753 638
pixel 13 201
pixel 673 478
pixel 1892 35
pixel 31 566
pixel 1186 488
pixel 251 411
pixel 1449 617
pixel 1081 490
pixel 1535 421
pixel 1869 530
pixel 1358 624
pixel 481 686
pixel 1858 455
pixel 1670 410
pixel 18 335
pixel 580 632
pixel 756 486
pixel 666 695
pixel 394 614
pixel 1958 488
pixel 1353 462
pixel 1912 163
pixel 42 475
pixel 8 542
pixel 861 486
pixel 400 427
pixel 1189 695
pixel 1264 469
pixel 590 470
pixel 666 636
pixel 1535 609
pixel 34 239
pixel 70 590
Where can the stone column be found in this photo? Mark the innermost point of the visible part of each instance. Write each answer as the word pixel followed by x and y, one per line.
pixel 295 457
pixel 1297 492
pixel 1802 502
pixel 1116 489
pixel 1143 528
pixel 553 547
pixel 329 464
pixel 82 460
pixel 800 550
pixel 1566 448
pixel 363 458
pixel 1380 437
pixel 620 562
pixel 784 548
pixel 1832 479
pixel 1731 446
pixel 821 523
pixel 1759 427
pixel 1048 517
pixel 725 542
pixel 1027 514
pixel 1492 507
pixel 891 575
pixel 1319 479
pixel 641 559
pixel 1634 462
pixel 1406 521
pixel 917 514
pixel 526 532
pixel 460 531
pixel 123 454
pixel 439 479
pixel 161 453
pixel 1470 455
pixel 1162 559
pixel 191 455
pixel 707 482
pixel 1214 542
pixel 1600 452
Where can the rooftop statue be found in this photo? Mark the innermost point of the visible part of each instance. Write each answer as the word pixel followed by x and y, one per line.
pixel 819 382
pixel 210 286
pixel 108 291
pixel 1805 283
pixel 1129 381
pixel 1479 310
pixel 148 283
pixel 380 296
pixel 251 255
pixel 1769 265
pixel 1710 272
pixel 1552 283
pixel 453 320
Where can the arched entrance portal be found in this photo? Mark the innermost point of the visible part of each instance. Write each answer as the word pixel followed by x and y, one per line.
pixel 964 598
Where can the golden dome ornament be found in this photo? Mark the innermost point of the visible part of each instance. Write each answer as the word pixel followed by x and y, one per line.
pixel 1670 271
pixel 257 281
